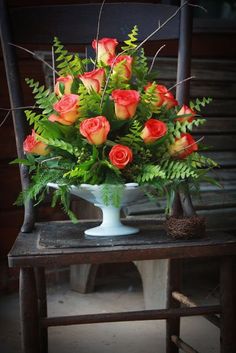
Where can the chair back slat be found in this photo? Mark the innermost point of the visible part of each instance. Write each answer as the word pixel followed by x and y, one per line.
pixel 78 23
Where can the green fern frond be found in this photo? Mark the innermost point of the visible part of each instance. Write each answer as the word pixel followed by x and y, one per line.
pixel 67 63
pixel 118 78
pixel 176 169
pixel 200 103
pixel 200 161
pixel 140 68
pixel 65 146
pixel 180 127
pixel 150 172
pixel 89 102
pixel 132 139
pixel 130 43
pixel 34 119
pixel 43 97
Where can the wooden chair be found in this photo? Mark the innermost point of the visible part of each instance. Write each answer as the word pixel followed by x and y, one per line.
pixel 45 22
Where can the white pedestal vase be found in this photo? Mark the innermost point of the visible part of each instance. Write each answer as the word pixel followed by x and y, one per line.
pixel 105 197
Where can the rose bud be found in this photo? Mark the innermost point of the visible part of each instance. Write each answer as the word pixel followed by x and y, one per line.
pixel 184 111
pixel 63 81
pixel 125 68
pixel 126 102
pixel 93 80
pixel 106 49
pixel 153 130
pixel 67 109
pixel 31 145
pixel 95 129
pixel 183 146
pixel 120 156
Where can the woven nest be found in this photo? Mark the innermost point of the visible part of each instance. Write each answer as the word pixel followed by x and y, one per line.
pixel 185 228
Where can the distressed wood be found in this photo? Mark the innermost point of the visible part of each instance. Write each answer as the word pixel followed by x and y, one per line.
pixel 228 303
pixel 174 281
pixel 128 316
pixel 191 304
pixel 42 306
pixel 29 316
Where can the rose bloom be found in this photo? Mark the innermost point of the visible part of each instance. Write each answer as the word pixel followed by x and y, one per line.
pixel 95 129
pixel 126 102
pixel 106 49
pixel 183 146
pixel 164 97
pixel 186 110
pixel 67 109
pixel 126 67
pixel 120 156
pixel 31 145
pixel 67 82
pixel 153 130
pixel 93 80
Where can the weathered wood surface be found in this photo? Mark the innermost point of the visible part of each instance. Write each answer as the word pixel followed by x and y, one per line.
pixel 151 243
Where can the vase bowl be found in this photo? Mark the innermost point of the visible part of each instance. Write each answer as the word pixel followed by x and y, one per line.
pixel 110 199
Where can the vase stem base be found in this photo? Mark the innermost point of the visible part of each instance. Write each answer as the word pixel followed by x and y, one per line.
pixel 105 231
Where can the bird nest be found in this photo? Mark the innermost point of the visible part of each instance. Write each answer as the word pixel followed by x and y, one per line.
pixel 186 227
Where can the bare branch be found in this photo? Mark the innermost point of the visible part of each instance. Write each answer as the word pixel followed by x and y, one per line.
pixel 5 118
pixel 53 67
pixel 98 31
pixel 180 82
pixel 154 58
pixel 36 56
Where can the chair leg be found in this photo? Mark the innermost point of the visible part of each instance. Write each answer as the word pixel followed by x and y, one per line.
pixel 29 312
pixel 228 304
pixel 42 306
pixel 174 284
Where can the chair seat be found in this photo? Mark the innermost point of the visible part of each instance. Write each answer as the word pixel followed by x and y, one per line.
pixel 63 243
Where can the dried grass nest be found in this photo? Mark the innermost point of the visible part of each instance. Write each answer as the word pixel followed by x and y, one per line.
pixel 186 227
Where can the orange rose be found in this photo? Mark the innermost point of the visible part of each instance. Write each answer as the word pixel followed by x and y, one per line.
pixel 106 49
pixel 164 97
pixel 31 145
pixel 95 129
pixel 186 110
pixel 126 67
pixel 126 102
pixel 153 130
pixel 183 146
pixel 120 156
pixel 93 80
pixel 67 109
pixel 65 82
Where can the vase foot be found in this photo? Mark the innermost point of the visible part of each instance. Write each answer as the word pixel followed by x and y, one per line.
pixel 106 231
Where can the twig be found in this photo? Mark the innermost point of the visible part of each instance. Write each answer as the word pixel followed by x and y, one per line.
pixel 5 118
pixel 160 26
pixel 154 58
pixel 53 67
pixel 98 30
pixel 29 106
pixel 180 82
pixel 187 147
pixel 36 56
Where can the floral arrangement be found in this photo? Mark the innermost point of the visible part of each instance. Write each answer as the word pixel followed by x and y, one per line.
pixel 111 124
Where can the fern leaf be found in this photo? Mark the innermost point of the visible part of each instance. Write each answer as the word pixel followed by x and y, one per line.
pixel 200 103
pixel 130 43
